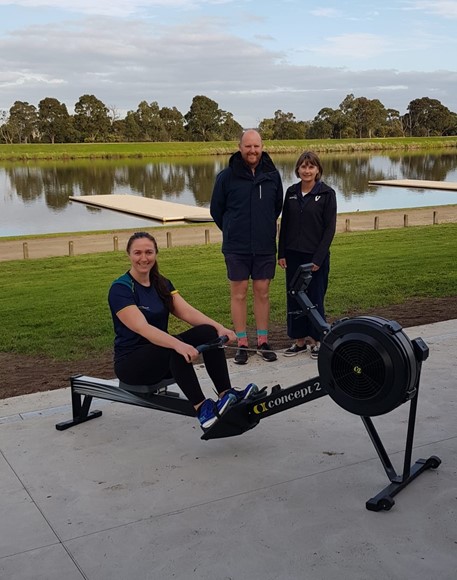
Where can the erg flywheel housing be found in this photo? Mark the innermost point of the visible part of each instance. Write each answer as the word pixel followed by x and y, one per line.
pixel 368 365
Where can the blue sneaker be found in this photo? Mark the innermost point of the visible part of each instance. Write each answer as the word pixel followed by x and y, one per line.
pixel 250 391
pixel 210 411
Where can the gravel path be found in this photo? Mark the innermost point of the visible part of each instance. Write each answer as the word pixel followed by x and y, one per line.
pixel 44 247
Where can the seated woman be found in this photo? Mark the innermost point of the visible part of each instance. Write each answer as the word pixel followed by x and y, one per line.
pixel 145 353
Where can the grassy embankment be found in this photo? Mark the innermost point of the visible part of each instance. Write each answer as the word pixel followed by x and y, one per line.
pixel 57 307
pixel 61 151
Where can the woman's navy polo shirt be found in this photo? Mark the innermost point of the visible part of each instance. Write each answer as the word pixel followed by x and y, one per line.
pixel 126 291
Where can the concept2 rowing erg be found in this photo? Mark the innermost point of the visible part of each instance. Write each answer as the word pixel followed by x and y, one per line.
pixel 366 364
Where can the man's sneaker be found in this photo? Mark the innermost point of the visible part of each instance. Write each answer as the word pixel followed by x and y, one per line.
pixel 314 349
pixel 295 349
pixel 241 356
pixel 266 353
pixel 210 411
pixel 250 391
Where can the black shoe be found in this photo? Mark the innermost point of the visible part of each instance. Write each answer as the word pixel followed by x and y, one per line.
pixel 315 351
pixel 295 349
pixel 241 356
pixel 266 353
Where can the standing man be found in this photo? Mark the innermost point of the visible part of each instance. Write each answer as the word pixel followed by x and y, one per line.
pixel 245 205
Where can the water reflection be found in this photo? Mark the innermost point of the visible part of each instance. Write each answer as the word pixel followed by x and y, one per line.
pixel 44 188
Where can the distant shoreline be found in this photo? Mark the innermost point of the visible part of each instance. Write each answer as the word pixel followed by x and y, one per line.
pixel 67 151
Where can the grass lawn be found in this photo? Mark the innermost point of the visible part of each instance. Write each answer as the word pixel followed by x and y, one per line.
pixel 58 306
pixel 62 151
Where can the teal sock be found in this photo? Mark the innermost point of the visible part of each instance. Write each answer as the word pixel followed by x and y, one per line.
pixel 242 338
pixel 262 337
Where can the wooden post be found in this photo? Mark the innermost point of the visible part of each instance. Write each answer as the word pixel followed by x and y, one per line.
pixel 71 249
pixel 348 225
pixel 405 220
pixel 169 241
pixel 435 218
pixel 376 223
pixel 25 249
pixel 207 237
pixel 116 243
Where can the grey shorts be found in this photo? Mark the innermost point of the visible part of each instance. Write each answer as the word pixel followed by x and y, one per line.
pixel 244 266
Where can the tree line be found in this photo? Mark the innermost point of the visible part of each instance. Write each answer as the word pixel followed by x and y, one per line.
pixel 93 121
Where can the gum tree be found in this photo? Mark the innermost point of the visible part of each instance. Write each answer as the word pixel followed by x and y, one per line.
pixel 53 120
pixel 91 119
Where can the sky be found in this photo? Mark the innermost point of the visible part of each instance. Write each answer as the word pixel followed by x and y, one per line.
pixel 251 57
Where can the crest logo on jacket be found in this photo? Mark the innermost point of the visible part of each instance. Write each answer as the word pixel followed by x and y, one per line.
pixel 317 198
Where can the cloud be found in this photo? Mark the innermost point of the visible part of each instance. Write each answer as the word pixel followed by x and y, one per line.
pixel 444 8
pixel 126 61
pixel 326 12
pixel 120 8
pixel 354 46
pixel 16 80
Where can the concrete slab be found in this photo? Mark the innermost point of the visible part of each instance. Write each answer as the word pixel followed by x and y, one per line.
pixel 137 494
pixel 312 527
pixel 21 523
pixel 49 563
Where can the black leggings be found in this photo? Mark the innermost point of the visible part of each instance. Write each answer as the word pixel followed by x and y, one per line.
pixel 150 364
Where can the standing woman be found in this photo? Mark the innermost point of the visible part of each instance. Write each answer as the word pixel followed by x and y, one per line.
pixel 141 301
pixel 308 226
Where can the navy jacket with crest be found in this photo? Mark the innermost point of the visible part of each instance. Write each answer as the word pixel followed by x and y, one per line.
pixel 308 221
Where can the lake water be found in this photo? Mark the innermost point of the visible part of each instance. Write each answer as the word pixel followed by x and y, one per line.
pixel 34 197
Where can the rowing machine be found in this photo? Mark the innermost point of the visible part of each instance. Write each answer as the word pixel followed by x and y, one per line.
pixel 366 364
